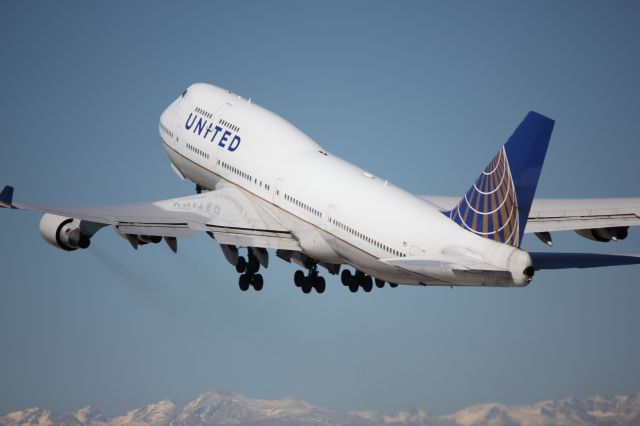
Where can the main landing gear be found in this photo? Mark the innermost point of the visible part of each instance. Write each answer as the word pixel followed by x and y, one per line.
pixel 248 267
pixel 313 280
pixel 249 272
pixel 361 280
pixel 310 281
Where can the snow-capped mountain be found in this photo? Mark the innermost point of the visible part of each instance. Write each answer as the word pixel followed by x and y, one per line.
pixel 39 417
pixel 225 408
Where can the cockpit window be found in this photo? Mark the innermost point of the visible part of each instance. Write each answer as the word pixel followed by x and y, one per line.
pixel 185 92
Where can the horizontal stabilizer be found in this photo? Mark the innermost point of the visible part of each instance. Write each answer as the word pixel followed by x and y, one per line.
pixel 581 260
pixel 6 197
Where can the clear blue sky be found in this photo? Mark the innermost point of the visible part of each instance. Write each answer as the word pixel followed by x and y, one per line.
pixel 417 92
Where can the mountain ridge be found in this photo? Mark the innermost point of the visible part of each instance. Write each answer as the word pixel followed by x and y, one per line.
pixel 228 408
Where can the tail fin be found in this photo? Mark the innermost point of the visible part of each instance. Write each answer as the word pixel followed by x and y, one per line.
pixel 497 205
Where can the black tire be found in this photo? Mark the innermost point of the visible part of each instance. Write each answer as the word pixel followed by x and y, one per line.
pixel 257 282
pixel 346 277
pixel 367 283
pixel 241 265
pixel 253 265
pixel 298 278
pixel 306 286
pixel 244 282
pixel 393 285
pixel 321 285
pixel 379 283
pixel 353 287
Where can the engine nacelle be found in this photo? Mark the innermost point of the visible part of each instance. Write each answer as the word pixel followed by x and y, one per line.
pixel 604 235
pixel 63 232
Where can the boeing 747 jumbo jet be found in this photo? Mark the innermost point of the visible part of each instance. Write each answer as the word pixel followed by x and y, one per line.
pixel 263 184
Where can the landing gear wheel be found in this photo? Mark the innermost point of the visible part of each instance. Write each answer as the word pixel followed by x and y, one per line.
pixel 298 278
pixel 367 283
pixel 307 286
pixel 241 266
pixel 346 277
pixel 257 282
pixel 253 265
pixel 393 285
pixel 244 282
pixel 379 283
pixel 353 287
pixel 320 285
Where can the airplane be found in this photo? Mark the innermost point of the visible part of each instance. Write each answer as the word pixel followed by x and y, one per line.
pixel 262 184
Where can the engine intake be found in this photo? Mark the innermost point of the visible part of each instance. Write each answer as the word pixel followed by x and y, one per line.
pixel 63 232
pixel 604 235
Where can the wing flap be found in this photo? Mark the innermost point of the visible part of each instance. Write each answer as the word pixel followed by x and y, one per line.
pixel 256 240
pixel 573 223
pixel 587 213
pixel 161 230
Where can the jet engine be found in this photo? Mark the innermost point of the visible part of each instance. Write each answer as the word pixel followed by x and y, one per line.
pixel 63 232
pixel 605 234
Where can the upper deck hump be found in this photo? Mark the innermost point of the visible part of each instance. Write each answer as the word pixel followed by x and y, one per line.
pixel 266 130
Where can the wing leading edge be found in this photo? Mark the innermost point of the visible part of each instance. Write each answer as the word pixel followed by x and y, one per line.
pixel 231 216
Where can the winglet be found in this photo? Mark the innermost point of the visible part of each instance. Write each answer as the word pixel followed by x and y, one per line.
pixel 6 197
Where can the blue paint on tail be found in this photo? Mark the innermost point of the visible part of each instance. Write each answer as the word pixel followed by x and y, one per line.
pixel 497 205
pixel 6 196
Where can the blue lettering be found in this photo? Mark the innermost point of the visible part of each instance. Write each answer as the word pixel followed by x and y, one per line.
pixel 200 126
pixel 218 128
pixel 187 125
pixel 208 130
pixel 225 137
pixel 234 143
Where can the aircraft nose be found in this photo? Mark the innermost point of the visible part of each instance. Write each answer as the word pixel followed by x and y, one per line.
pixel 169 116
pixel 169 112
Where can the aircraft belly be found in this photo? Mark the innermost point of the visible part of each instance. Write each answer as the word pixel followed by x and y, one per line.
pixel 314 242
pixel 192 171
pixel 370 265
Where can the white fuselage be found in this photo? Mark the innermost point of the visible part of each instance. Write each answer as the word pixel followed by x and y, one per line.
pixel 338 212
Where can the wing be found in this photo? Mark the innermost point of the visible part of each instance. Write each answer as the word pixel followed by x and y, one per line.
pixel 230 215
pixel 549 215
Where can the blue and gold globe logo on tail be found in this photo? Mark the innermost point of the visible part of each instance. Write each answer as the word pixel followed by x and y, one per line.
pixel 498 204
pixel 490 207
